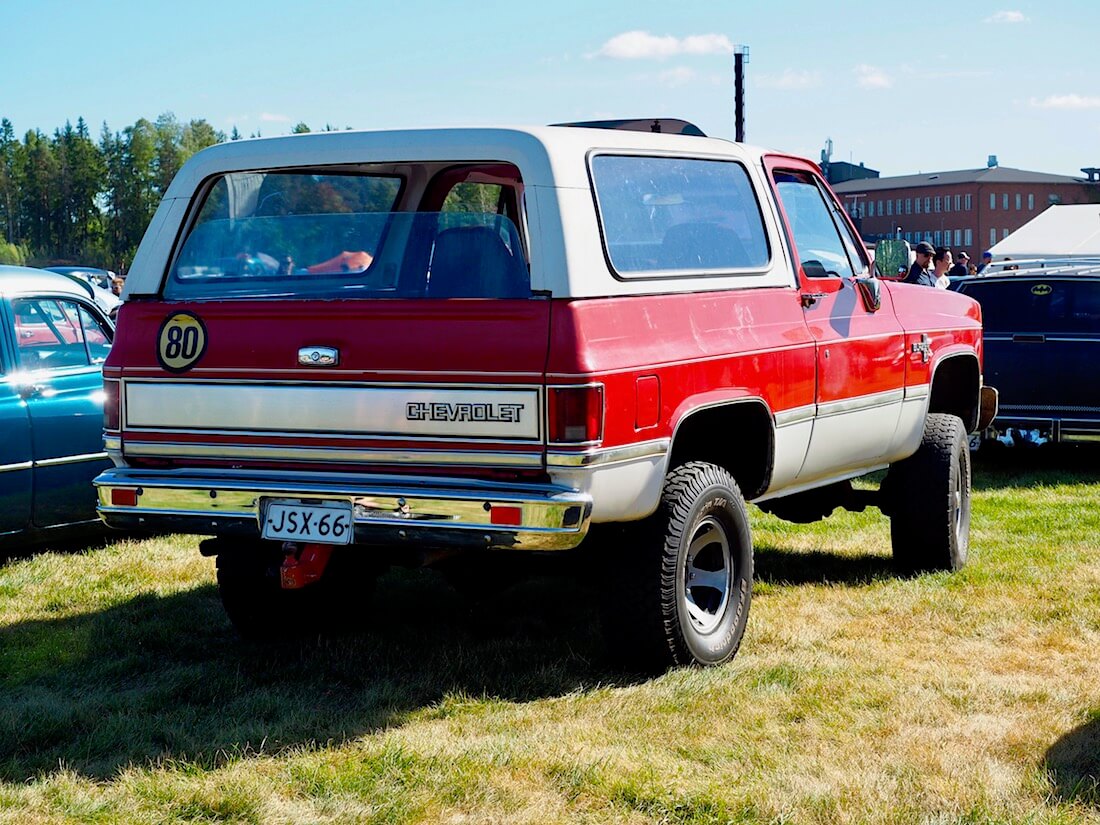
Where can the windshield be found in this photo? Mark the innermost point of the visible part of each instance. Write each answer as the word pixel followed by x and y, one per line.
pixel 328 236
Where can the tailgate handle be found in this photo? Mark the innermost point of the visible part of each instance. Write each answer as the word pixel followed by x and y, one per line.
pixel 1029 339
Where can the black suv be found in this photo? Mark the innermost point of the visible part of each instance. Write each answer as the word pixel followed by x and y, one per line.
pixel 1042 348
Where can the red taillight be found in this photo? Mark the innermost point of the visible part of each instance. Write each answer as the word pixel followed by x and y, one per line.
pixel 574 415
pixel 124 497
pixel 110 404
pixel 506 515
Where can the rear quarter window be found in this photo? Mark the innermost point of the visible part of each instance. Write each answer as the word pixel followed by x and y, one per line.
pixel 663 216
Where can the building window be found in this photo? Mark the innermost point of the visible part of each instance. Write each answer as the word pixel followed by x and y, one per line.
pixel 992 201
pixel 1004 234
pixel 968 237
pixel 992 236
pixel 1004 201
pixel 917 207
pixel 870 209
pixel 927 205
pixel 908 206
pixel 1031 201
pixel 1019 201
pixel 958 237
pixel 889 207
pixel 958 202
pixel 1054 200
pixel 897 205
pixel 936 237
pixel 946 203
pixel 969 203
pixel 939 203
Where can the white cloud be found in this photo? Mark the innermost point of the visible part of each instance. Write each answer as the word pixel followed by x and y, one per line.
pixel 1007 17
pixel 641 45
pixel 267 117
pixel 872 77
pixel 679 76
pixel 1065 102
pixel 790 79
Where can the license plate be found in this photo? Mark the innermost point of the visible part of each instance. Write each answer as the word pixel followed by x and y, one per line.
pixel 318 522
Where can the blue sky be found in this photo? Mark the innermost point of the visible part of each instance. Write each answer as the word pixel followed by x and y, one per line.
pixel 901 87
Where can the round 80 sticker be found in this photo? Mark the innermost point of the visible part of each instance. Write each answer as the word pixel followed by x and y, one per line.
pixel 181 341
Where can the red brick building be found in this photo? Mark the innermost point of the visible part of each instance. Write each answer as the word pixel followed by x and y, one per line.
pixel 968 210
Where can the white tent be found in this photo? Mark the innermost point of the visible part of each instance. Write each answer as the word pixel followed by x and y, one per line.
pixel 1061 231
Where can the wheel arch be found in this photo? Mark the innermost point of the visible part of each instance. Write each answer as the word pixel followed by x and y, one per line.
pixel 737 434
pixel 956 387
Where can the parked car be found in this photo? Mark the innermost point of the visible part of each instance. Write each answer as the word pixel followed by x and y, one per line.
pixel 345 349
pixel 1042 347
pixel 53 342
pixel 97 282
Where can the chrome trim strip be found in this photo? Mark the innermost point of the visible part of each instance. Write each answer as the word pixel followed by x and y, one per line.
pixel 918 391
pixel 11 468
pixel 1047 338
pixel 70 459
pixel 470 458
pixel 608 455
pixel 863 402
pixel 112 442
pixel 786 418
pixel 441 439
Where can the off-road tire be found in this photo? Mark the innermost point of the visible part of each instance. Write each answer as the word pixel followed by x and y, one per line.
pixel 930 500
pixel 681 579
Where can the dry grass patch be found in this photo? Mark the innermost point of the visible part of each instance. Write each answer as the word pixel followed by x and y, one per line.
pixel 858 696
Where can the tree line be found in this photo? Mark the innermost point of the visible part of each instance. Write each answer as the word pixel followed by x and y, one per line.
pixel 69 198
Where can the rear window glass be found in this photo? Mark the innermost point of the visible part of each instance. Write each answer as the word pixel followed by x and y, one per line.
pixel 298 235
pixel 678 215
pixel 1030 305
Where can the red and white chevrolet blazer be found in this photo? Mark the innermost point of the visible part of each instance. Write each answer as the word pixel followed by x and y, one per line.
pixel 349 348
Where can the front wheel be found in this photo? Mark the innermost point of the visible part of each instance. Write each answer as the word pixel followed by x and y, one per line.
pixel 683 577
pixel 930 499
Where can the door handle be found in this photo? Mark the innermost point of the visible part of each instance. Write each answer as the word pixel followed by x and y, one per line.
pixel 31 390
pixel 811 298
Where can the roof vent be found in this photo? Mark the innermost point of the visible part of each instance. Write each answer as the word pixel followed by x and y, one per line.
pixel 1093 172
pixel 991 162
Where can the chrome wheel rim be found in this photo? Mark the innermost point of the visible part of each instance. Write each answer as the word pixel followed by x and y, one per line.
pixel 707 575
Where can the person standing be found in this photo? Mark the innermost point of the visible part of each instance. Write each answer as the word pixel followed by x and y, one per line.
pixel 987 259
pixel 919 272
pixel 941 263
pixel 959 269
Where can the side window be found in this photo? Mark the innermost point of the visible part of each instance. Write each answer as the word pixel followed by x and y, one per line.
pixel 678 215
pixel 97 337
pixel 53 334
pixel 825 246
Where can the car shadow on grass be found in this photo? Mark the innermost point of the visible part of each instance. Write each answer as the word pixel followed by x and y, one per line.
pixel 1073 764
pixel 165 678
pixel 776 565
pixel 996 467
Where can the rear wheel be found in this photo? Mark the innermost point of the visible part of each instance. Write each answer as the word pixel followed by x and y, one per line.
pixel 683 577
pixel 930 499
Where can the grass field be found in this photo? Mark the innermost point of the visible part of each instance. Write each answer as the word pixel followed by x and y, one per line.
pixel 857 696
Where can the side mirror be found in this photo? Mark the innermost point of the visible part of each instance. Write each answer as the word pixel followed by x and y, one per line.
pixel 870 291
pixel 892 258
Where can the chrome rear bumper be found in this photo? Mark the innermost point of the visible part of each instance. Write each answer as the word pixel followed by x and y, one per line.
pixel 387 509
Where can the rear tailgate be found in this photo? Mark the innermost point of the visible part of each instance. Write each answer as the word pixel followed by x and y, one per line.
pixel 438 386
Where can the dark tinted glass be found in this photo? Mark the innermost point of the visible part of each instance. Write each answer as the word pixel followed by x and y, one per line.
pixel 1033 305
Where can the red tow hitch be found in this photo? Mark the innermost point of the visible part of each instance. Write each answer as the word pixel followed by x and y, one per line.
pixel 304 564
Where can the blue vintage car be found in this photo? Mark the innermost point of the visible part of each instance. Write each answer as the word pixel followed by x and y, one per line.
pixel 53 341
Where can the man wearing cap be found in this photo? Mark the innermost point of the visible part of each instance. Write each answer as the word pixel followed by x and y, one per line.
pixel 919 272
pixel 987 259
pixel 959 269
